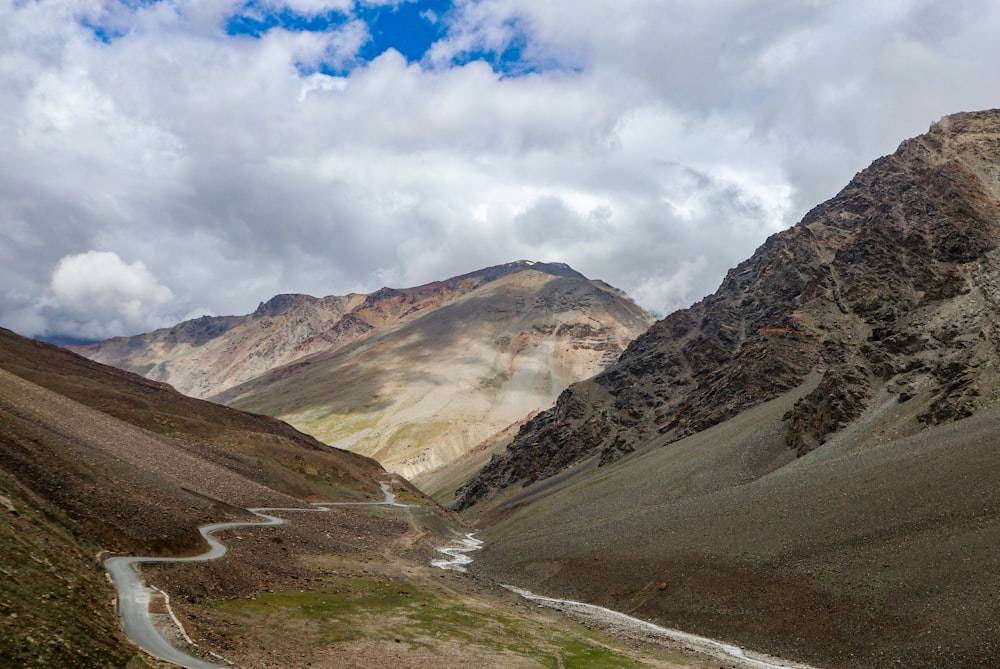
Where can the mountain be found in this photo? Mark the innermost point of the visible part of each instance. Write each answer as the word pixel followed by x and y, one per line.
pixel 883 301
pixel 206 355
pixel 96 461
pixel 804 461
pixel 413 377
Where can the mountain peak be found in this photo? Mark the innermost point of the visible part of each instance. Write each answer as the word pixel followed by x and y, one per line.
pixel 554 268
pixel 887 292
pixel 416 375
pixel 281 303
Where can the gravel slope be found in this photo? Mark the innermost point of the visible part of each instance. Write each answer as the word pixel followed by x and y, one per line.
pixel 868 558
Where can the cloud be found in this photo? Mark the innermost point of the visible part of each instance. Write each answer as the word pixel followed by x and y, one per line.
pixel 96 294
pixel 653 145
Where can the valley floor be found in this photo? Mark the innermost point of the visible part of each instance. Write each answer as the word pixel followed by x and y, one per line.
pixel 354 588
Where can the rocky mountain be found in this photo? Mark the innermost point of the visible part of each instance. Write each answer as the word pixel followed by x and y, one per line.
pixel 413 377
pixel 419 393
pixel 883 303
pixel 209 354
pixel 805 462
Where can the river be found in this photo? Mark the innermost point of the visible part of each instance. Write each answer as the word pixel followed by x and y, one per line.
pixel 134 597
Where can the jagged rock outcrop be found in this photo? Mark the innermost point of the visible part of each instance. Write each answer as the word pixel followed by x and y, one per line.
pixel 891 288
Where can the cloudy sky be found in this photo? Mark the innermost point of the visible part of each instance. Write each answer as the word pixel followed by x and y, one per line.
pixel 165 159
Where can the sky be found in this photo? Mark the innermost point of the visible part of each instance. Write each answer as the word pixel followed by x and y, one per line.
pixel 165 159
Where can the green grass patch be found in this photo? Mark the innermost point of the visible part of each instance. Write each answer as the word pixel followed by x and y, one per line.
pixel 334 427
pixel 388 610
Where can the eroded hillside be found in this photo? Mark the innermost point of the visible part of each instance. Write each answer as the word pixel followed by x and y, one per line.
pixel 889 294
pixel 806 461
pixel 418 395
pixel 413 377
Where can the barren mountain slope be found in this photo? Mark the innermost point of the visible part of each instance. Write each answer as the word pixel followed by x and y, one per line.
pixel 418 394
pixel 807 461
pixel 54 599
pixel 889 293
pixel 884 557
pixel 94 459
pixel 86 463
pixel 211 353
pixel 208 355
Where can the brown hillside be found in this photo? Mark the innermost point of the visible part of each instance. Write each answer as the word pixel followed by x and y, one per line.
pixel 881 558
pixel 890 292
pixel 95 459
pixel 806 461
pixel 413 377
pixel 421 393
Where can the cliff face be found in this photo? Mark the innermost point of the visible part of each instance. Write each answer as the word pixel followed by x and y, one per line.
pixel 888 293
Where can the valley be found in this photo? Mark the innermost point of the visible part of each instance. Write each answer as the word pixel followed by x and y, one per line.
pixel 414 377
pixel 98 463
pixel 803 463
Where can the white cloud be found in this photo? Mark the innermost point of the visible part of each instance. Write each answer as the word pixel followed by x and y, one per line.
pixel 100 295
pixel 656 145
pixel 314 7
pixel 104 277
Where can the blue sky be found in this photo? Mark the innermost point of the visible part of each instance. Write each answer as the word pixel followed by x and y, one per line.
pixel 165 159
pixel 408 27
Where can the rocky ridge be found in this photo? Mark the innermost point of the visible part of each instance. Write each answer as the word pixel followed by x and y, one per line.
pixel 208 355
pixel 889 293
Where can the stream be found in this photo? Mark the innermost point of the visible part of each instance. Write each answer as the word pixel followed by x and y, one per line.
pixel 635 627
pixel 456 552
pixel 134 598
pixel 643 629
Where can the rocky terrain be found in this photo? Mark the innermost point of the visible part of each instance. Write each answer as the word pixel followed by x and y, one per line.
pixel 805 462
pixel 414 377
pixel 887 294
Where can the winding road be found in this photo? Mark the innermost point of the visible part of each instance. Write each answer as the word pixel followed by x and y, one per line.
pixel 134 598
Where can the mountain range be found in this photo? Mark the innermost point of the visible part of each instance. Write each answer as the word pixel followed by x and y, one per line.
pixel 803 463
pixel 805 459
pixel 413 377
pixel 97 462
